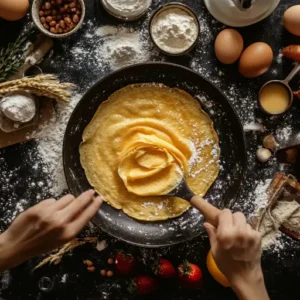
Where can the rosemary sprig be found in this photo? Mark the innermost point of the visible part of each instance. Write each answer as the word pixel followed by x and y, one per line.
pixel 13 57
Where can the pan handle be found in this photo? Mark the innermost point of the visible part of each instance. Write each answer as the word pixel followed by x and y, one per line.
pixel 209 211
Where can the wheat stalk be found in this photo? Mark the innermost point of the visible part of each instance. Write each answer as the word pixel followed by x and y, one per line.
pixel 58 256
pixel 42 85
pixel 38 78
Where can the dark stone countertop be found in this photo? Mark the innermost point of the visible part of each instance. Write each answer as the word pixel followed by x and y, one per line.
pixel 281 267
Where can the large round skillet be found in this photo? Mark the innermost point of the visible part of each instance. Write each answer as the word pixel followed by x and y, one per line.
pixel 227 125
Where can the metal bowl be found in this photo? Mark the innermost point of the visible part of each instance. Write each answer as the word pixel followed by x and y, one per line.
pixel 36 19
pixel 183 7
pixel 289 90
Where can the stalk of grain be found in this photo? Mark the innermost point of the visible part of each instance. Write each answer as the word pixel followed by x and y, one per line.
pixel 41 85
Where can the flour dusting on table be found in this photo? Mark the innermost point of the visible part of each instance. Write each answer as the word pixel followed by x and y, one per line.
pixel 50 145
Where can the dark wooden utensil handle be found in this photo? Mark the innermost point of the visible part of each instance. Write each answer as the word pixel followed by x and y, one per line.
pixel 209 211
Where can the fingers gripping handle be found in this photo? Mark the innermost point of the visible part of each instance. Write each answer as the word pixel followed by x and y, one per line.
pixel 209 211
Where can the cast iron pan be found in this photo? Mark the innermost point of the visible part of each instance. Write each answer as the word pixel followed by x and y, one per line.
pixel 232 143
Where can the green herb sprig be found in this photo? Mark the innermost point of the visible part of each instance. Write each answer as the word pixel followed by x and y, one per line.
pixel 13 57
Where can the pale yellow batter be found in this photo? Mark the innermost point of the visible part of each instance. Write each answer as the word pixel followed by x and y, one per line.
pixel 141 142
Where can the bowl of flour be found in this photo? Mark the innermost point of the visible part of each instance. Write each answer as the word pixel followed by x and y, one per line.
pixel 126 10
pixel 174 29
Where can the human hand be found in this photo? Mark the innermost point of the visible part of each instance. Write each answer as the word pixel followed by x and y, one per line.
pixel 46 226
pixel 236 248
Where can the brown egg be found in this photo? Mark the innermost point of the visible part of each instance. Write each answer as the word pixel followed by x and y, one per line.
pixel 256 60
pixel 291 20
pixel 13 10
pixel 229 45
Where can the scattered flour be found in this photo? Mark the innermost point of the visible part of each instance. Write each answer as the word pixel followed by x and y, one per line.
pixel 111 47
pixel 260 195
pixel 252 126
pixel 104 31
pixel 279 57
pixel 284 134
pixel 64 278
pixel 49 146
pixel 123 48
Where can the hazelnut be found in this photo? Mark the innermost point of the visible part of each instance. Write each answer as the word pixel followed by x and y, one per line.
pixel 66 6
pixel 91 269
pixel 52 24
pixel 72 4
pixel 263 154
pixel 62 24
pixel 54 12
pixel 49 19
pixel 73 10
pixel 53 30
pixel 103 273
pixel 46 25
pixel 58 2
pixel 67 20
pixel 57 26
pixel 43 20
pixel 110 261
pixel 60 30
pixel 88 263
pixel 75 19
pixel 41 13
pixel 47 5
pixel 110 273
pixel 78 12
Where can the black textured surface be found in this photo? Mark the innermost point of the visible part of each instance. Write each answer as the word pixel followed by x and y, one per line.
pixel 281 268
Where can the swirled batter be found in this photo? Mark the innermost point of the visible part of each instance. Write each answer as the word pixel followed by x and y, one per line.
pixel 141 142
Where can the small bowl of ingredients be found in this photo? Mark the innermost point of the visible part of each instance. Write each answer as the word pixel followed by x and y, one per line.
pixel 126 10
pixel 276 96
pixel 174 29
pixel 18 110
pixel 58 18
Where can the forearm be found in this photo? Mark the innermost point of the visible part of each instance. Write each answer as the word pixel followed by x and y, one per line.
pixel 251 290
pixel 9 257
